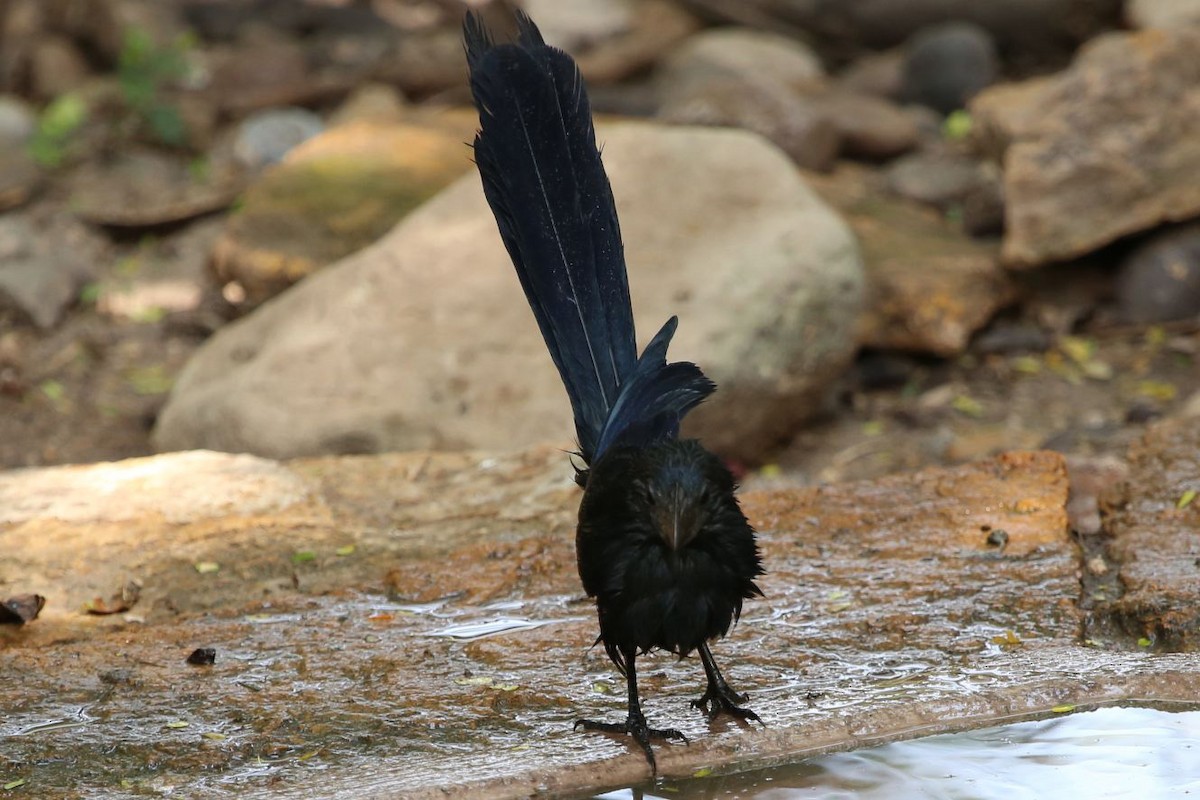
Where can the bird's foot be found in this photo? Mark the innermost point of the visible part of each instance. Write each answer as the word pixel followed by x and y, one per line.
pixel 636 727
pixel 721 698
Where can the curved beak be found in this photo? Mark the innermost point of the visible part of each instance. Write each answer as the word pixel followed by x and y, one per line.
pixel 678 519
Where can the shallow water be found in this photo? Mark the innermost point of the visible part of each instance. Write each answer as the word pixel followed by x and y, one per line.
pixel 1139 753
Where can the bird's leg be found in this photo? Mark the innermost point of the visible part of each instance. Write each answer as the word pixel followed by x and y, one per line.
pixel 720 696
pixel 635 725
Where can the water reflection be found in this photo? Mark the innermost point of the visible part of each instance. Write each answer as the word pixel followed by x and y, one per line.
pixel 1107 753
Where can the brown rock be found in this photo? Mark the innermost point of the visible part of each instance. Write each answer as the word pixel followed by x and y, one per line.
pixel 655 28
pixel 1102 150
pixel 869 127
pixel 1162 13
pixel 928 287
pixel 1155 544
pixel 56 67
pixel 332 195
pixel 141 188
pixel 878 74
pixel 745 79
pixel 19 177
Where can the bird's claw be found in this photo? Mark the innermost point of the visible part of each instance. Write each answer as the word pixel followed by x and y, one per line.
pixel 723 699
pixel 642 733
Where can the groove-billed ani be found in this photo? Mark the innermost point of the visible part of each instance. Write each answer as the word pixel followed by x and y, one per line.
pixel 662 544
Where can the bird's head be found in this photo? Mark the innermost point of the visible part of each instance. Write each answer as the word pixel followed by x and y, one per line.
pixel 684 489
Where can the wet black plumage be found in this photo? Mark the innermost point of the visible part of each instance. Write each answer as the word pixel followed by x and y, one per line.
pixel 662 543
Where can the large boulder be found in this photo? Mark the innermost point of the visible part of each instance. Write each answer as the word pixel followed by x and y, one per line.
pixel 1105 149
pixel 423 340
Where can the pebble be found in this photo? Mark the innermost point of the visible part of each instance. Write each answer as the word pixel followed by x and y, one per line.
pixel 17 121
pixel 1160 280
pixel 948 65
pixel 264 138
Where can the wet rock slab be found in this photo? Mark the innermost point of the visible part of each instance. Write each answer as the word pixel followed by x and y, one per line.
pixel 447 653
pixel 1156 541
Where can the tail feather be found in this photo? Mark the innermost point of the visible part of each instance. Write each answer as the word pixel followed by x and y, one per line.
pixel 545 182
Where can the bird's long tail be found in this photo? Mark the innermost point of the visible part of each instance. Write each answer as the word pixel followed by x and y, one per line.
pixel 544 180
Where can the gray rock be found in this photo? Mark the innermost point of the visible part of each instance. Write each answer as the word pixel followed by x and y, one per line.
pixel 266 137
pixel 43 265
pixel 1162 13
pixel 17 121
pixel 424 340
pixel 752 56
pixel 1103 150
pixel 574 24
pixel 1160 280
pixel 938 178
pixel 949 64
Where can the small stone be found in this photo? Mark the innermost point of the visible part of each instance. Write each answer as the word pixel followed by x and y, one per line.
pixel 19 177
pixel 940 179
pixel 983 208
pixel 266 137
pixel 18 121
pixel 574 24
pixel 949 64
pixel 869 127
pixel 42 265
pixel 1162 13
pixel 145 187
pixel 1006 338
pixel 1097 565
pixel 746 79
pixel 56 67
pixel 806 134
pixel 202 657
pixel 878 74
pixel 655 27
pixel 1160 280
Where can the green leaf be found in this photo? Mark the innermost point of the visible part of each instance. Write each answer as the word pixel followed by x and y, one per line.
pixel 52 389
pixel 1186 498
pixel 207 567
pixel 965 404
pixel 302 556
pixel 14 784
pixel 957 126
pixel 1065 708
pixel 1144 642
pixel 345 550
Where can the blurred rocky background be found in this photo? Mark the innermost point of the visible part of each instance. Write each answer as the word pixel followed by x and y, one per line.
pixel 897 233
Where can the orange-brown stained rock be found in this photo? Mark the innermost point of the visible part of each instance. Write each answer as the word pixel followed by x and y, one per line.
pixel 1157 543
pixel 887 614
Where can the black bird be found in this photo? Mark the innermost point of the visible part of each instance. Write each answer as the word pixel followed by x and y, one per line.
pixel 662 543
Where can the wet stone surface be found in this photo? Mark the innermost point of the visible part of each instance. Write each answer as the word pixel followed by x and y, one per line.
pixel 448 652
